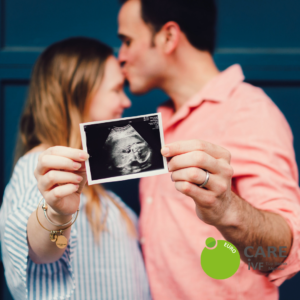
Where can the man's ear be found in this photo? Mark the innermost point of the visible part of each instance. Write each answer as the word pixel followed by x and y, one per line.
pixel 168 37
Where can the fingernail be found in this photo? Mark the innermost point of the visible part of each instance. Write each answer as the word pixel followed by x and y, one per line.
pixel 83 155
pixel 76 186
pixel 165 151
pixel 76 165
pixel 168 165
pixel 78 178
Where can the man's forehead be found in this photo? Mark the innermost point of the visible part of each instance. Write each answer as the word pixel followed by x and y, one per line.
pixel 129 18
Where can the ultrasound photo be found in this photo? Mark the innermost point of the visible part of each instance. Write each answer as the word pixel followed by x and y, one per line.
pixel 124 149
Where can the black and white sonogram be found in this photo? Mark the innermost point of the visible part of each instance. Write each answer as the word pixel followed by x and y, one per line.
pixel 127 151
pixel 124 149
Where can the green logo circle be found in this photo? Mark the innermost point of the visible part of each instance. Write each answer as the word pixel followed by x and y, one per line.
pixel 220 262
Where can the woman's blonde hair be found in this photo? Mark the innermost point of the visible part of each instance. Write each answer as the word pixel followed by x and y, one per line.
pixel 64 80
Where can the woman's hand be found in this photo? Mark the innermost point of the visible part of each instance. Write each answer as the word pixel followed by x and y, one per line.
pixel 61 176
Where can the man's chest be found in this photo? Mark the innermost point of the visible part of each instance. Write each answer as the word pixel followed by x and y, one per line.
pixel 207 122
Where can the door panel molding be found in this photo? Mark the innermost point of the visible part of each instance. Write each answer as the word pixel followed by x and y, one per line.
pixel 3 84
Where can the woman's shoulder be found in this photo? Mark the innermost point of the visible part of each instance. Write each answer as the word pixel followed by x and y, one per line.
pixel 23 172
pixel 22 184
pixel 27 162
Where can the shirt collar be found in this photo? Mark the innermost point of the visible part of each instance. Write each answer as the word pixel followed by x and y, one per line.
pixel 217 90
pixel 220 87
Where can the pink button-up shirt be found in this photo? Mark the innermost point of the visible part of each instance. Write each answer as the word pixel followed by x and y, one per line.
pixel 242 119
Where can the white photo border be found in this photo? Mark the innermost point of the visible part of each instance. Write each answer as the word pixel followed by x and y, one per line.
pixel 123 177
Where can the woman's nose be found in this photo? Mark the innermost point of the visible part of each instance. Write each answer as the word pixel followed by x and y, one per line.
pixel 126 102
pixel 122 56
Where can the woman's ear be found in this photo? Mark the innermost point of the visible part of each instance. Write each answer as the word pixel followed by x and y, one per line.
pixel 168 37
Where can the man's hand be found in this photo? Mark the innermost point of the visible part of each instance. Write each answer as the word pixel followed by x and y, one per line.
pixel 189 162
pixel 238 221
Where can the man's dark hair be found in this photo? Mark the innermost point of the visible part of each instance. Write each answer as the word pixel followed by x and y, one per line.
pixel 196 18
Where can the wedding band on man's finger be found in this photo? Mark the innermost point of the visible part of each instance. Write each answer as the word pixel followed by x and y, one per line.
pixel 202 185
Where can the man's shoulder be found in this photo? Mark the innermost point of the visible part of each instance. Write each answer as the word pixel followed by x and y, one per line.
pixel 252 98
pixel 248 92
pixel 251 104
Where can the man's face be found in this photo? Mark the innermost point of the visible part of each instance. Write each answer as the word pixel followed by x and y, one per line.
pixel 142 62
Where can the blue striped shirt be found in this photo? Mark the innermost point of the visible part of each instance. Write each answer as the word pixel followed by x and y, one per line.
pixel 113 268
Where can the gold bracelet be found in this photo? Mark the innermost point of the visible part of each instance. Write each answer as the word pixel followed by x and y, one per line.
pixel 56 235
pixel 45 208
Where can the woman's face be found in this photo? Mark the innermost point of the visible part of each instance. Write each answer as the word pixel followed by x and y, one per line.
pixel 110 99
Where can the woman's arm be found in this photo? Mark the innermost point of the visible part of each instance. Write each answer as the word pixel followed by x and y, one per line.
pixel 61 176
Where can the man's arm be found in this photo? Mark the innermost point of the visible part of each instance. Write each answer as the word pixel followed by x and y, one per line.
pixel 239 222
pixel 254 228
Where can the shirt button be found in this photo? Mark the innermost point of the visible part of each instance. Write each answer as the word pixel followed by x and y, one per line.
pixel 149 200
pixel 142 240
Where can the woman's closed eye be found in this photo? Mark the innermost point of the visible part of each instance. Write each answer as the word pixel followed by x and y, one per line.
pixel 119 88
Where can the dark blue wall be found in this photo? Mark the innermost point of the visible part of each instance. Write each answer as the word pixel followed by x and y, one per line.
pixel 263 36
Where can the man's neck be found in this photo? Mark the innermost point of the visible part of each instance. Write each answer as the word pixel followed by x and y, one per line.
pixel 188 76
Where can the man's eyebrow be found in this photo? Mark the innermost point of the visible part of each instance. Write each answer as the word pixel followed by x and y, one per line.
pixel 122 37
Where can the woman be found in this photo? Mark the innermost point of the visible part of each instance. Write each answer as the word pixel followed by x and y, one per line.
pixel 75 80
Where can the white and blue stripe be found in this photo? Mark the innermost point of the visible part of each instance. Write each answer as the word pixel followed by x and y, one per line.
pixel 110 269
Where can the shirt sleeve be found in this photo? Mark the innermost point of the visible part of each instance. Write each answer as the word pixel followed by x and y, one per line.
pixel 265 170
pixel 25 279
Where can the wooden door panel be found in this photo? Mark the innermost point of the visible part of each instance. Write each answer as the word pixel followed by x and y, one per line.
pixel 258 24
pixel 34 23
pixel 14 93
pixel 262 36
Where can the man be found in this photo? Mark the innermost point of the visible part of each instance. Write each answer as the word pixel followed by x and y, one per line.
pixel 235 159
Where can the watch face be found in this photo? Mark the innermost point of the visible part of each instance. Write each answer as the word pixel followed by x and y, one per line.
pixel 127 151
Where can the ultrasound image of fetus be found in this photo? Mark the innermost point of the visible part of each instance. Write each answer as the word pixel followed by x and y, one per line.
pixel 127 151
